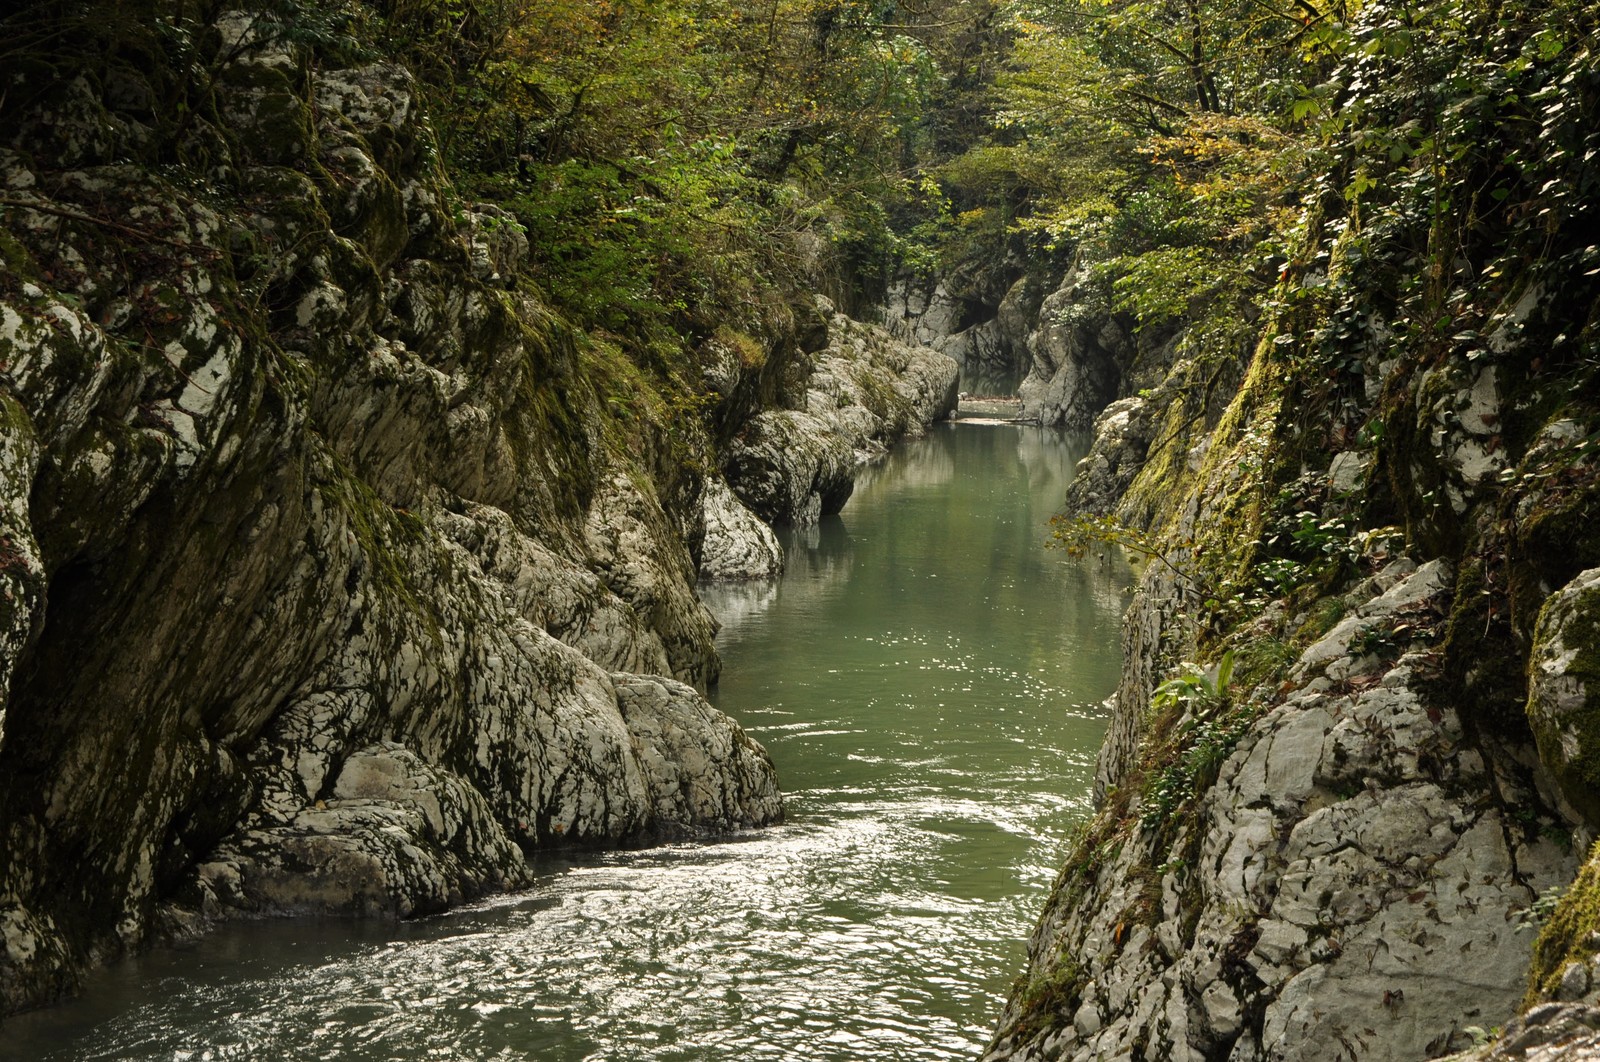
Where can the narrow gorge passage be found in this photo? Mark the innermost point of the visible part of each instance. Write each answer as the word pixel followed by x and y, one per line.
pixel 926 676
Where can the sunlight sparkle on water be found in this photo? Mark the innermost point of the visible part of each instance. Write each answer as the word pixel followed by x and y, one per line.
pixel 926 677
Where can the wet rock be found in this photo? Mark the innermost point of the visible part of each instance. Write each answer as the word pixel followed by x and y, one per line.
pixel 794 466
pixel 703 773
pixel 737 545
pixel 396 837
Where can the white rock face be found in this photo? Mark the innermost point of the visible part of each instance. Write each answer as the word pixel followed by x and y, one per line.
pixel 867 389
pixel 737 544
pixel 1410 588
pixel 1347 888
pixel 1459 408
pixel 638 557
pixel 22 575
pixel 1122 435
pixel 703 773
pixel 397 836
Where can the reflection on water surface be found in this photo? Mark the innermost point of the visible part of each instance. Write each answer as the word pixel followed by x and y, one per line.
pixel 926 677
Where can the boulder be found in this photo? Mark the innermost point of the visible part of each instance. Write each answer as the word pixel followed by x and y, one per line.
pixel 1564 691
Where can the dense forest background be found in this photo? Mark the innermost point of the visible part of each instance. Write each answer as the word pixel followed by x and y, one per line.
pixel 684 167
pixel 679 165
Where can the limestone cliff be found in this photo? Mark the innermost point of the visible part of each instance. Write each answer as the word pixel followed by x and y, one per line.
pixel 1334 833
pixel 336 572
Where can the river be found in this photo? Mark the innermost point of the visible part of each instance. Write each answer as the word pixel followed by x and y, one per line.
pixel 926 676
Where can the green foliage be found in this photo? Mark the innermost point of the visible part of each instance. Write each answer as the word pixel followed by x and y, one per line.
pixel 1264 659
pixel 1193 763
pixel 1193 689
pixel 1078 535
pixel 1166 283
pixel 1192 755
pixel 1049 998
pixel 1453 135
pixel 677 160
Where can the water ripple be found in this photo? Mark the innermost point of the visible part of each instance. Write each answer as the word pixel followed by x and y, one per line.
pixel 936 746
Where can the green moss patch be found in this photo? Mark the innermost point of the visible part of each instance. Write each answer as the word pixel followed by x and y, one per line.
pixel 1571 935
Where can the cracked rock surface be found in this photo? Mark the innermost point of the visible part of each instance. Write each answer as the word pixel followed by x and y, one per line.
pixel 1350 887
pixel 319 590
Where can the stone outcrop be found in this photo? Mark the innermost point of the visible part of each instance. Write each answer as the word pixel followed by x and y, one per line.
pixel 1079 352
pixel 1364 843
pixel 793 466
pixel 1550 1032
pixel 1350 886
pixel 331 577
pixel 321 586
pixel 1123 433
pixel 985 331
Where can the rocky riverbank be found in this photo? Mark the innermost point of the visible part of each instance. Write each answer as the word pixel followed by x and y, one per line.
pixel 1348 772
pixel 339 575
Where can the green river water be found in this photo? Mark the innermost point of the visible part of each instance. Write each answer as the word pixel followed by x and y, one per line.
pixel 926 677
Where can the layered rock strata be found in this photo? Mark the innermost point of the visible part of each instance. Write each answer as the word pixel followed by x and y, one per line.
pixel 794 466
pixel 321 588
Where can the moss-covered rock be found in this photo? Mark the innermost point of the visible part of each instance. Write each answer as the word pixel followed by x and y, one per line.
pixel 1570 937
pixel 1564 691
pixel 326 569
